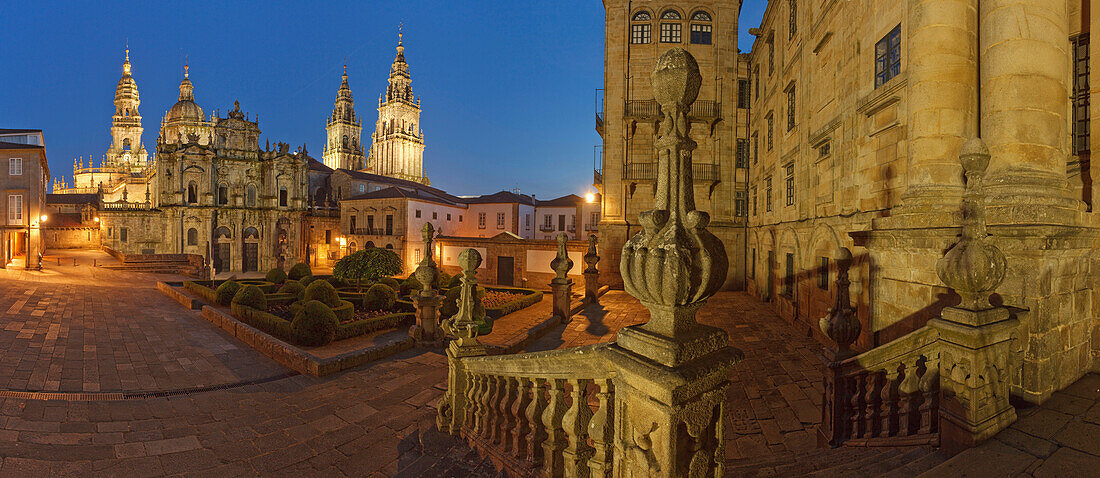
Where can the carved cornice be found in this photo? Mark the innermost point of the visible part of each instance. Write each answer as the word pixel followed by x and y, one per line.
pixel 884 96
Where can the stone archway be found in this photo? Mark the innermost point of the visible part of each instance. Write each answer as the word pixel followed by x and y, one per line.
pixel 223 247
pixel 250 247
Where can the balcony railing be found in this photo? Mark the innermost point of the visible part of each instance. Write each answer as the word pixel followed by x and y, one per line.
pixel 597 176
pixel 571 227
pixel 648 172
pixel 591 227
pixel 377 231
pixel 649 109
pixel 547 228
pixel 125 206
pixel 324 211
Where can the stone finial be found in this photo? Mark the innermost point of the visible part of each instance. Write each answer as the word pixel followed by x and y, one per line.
pixel 674 261
pixel 590 256
pixel 427 272
pixel 464 324
pixel 973 267
pixel 841 324
pixel 561 263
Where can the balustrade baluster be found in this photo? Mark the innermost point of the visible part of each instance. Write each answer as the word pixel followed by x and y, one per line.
pixel 492 417
pixel 508 420
pixel 483 405
pixel 523 422
pixel 855 406
pixel 470 424
pixel 930 394
pixel 601 431
pixel 888 393
pixel 552 461
pixel 575 423
pixel 907 389
pixel 871 404
pixel 534 416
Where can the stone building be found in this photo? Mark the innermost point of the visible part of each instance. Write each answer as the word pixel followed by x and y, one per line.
pixel 344 130
pixel 859 110
pixel 397 145
pixel 636 33
pixel 24 174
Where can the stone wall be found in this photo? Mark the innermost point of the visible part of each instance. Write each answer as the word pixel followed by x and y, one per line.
pixel 86 237
pixel 531 275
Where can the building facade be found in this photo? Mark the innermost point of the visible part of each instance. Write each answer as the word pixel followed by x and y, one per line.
pixel 397 145
pixel 344 130
pixel 636 34
pixel 24 175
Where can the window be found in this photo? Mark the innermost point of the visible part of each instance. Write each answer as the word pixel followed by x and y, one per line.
pixel 793 19
pixel 250 196
pixel 768 194
pixel 754 200
pixel 416 255
pixel 192 193
pixel 788 278
pixel 752 265
pixel 670 32
pixel 548 222
pixel 790 184
pixel 500 220
pixel 122 234
pixel 755 147
pixel 1081 133
pixel 418 213
pixel 527 221
pixel 888 57
pixel 370 224
pixel 771 55
pixel 435 215
pixel 282 197
pixel 595 217
pixel 345 140
pixel 790 108
pixel 223 194
pixel 741 204
pixel 15 209
pixel 700 34
pixel 15 167
pixel 771 117
pixel 389 224
pixel 700 16
pixel 192 236
pixel 824 150
pixel 756 79
pixel 481 220
pixel 742 153
pixel 670 15
pixel 823 273
pixel 641 33
pixel 459 218
pixel 362 188
pixel 743 93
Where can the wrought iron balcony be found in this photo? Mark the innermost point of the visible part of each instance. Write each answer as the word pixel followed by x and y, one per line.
pixel 648 172
pixel 547 228
pixel 597 176
pixel 649 109
pixel 377 231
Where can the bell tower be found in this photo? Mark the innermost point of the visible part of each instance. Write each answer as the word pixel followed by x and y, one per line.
pixel 126 148
pixel 397 148
pixel 343 149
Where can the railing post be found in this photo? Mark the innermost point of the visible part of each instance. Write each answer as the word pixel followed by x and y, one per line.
pixel 552 460
pixel 452 408
pixel 575 423
pixel 976 336
pixel 601 431
pixel 561 285
pixel 426 330
pixel 670 391
pixel 591 273
pixel 842 326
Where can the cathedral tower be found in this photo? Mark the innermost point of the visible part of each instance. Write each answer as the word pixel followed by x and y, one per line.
pixel 126 149
pixel 185 121
pixel 398 143
pixel 343 149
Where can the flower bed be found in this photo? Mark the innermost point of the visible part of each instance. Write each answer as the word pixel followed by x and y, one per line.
pixel 508 300
pixel 276 322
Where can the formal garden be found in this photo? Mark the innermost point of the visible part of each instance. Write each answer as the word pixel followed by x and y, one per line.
pixel 364 294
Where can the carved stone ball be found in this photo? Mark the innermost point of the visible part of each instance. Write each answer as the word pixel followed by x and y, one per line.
pixel 469 260
pixel 974 156
pixel 676 79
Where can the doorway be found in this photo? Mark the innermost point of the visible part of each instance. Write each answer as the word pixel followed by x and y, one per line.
pixel 506 268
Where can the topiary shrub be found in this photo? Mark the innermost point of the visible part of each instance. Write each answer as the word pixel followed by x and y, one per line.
pixel 390 281
pixel 305 281
pixel 367 265
pixel 456 280
pixel 379 297
pixel 444 281
pixel 275 275
pixel 410 286
pixel 449 307
pixel 322 291
pixel 251 296
pixel 299 271
pixel 345 311
pixel 314 324
pixel 225 292
pixel 292 287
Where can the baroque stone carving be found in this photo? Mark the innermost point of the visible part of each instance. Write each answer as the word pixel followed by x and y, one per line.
pixel 561 263
pixel 840 324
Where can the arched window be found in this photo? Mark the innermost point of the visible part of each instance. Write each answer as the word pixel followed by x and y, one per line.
pixel 345 140
pixel 282 196
pixel 192 193
pixel 126 143
pixel 368 245
pixel 352 247
pixel 641 31
pixel 671 27
pixel 389 246
pixel 701 28
pixel 192 236
pixel 250 197
pixel 223 194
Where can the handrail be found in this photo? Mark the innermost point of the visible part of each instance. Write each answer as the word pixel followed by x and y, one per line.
pixel 891 352
pixel 578 362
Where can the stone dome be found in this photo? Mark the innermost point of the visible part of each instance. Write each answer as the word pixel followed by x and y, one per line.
pixel 185 109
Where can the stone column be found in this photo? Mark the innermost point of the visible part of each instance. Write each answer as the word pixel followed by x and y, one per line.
pixel 670 390
pixel 561 285
pixel 591 273
pixel 463 326
pixel 1024 108
pixel 942 102
pixel 426 330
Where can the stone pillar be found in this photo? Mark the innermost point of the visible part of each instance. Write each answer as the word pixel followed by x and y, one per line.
pixel 942 102
pixel 1024 108
pixel 591 273
pixel 426 330
pixel 843 328
pixel 464 327
pixel 670 391
pixel 976 355
pixel 561 286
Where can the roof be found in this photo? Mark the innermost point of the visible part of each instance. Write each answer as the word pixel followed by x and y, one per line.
pixel 571 200
pixel 315 165
pixel 378 178
pixel 13 131
pixel 7 145
pixel 89 198
pixel 396 192
pixel 501 197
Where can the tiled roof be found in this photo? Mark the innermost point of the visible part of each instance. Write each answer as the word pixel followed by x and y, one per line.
pixel 402 183
pixel 396 192
pixel 564 201
pixel 315 165
pixel 13 131
pixel 501 197
pixel 7 145
pixel 90 198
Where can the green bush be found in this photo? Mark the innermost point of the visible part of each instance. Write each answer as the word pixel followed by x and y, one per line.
pixel 360 327
pixel 299 271
pixel 225 292
pixel 264 321
pixel 251 296
pixel 314 324
pixel 292 287
pixel 367 265
pixel 530 298
pixel 305 281
pixel 390 281
pixel 379 297
pixel 275 275
pixel 410 286
pixel 456 280
pixel 203 289
pixel 449 307
pixel 265 286
pixel 345 311
pixel 280 299
pixel 322 291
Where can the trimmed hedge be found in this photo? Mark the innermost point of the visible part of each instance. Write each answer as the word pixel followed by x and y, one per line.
pixel 345 312
pixel 360 327
pixel 305 281
pixel 379 297
pixel 322 291
pixel 299 270
pixel 530 298
pixel 267 322
pixel 251 296
pixel 275 275
pixel 292 287
pixel 267 287
pixel 223 295
pixel 314 324
pixel 404 305
pixel 203 289
pixel 280 299
pixel 390 281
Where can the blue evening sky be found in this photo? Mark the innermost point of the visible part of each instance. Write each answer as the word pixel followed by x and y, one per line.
pixel 507 86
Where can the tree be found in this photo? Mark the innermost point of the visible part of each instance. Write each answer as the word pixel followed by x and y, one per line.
pixel 370 264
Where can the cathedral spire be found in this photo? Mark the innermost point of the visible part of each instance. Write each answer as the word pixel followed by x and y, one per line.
pixel 344 130
pixel 126 64
pixel 187 90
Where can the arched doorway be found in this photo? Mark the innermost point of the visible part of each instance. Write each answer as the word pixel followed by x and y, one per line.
pixel 251 250
pixel 223 244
